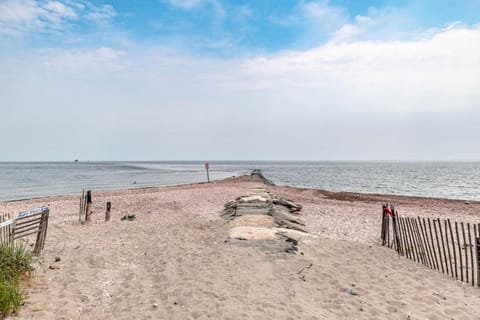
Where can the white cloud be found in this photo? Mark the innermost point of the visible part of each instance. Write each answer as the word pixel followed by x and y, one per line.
pixel 101 13
pixel 186 4
pixel 83 63
pixel 378 25
pixel 357 99
pixel 18 17
pixel 319 16
pixel 214 5
pixel 60 9
pixel 435 73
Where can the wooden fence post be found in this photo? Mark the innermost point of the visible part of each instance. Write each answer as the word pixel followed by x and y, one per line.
pixel 47 214
pixel 88 211
pixel 42 233
pixel 383 233
pixel 207 167
pixel 107 213
pixel 396 238
pixel 82 208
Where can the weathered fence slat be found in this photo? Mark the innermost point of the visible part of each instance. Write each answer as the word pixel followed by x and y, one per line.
pixel 388 231
pixel 400 236
pixel 471 254
pixel 409 239
pixel 396 235
pixel 417 243
pixel 420 241
pixel 438 245
pixel 476 252
pixel 443 245
pixel 448 249
pixel 405 239
pixel 24 224
pixel 437 267
pixel 6 224
pixel 453 248
pixel 459 252
pixel 412 244
pixel 477 243
pixel 382 232
pixel 430 253
pixel 466 251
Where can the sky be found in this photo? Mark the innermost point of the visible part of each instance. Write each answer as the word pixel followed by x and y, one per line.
pixel 239 80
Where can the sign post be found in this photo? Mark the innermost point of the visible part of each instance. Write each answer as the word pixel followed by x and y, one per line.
pixel 207 167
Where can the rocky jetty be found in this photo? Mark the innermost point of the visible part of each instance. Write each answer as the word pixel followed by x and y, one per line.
pixel 265 220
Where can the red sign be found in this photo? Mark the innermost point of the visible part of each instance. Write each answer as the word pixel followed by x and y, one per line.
pixel 207 166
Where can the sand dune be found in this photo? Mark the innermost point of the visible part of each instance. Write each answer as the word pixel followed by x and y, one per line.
pixel 177 261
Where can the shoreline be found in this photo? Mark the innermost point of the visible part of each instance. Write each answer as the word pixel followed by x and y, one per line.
pixel 335 195
pixel 337 215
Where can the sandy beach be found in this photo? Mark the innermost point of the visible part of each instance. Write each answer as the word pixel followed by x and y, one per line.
pixel 176 261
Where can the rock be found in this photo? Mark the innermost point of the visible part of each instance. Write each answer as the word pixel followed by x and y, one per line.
pixel 283 214
pixel 350 291
pixel 249 210
pixel 155 305
pixel 292 207
pixel 57 259
pixel 294 234
pixel 53 266
pixel 129 217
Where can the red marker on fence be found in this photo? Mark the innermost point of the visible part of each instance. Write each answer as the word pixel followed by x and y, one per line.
pixel 207 167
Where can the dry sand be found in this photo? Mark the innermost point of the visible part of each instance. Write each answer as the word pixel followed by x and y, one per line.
pixel 176 261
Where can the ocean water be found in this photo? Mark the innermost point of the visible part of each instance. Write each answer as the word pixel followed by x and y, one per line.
pixel 454 180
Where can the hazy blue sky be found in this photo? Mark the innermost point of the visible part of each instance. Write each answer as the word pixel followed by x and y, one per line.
pixel 213 79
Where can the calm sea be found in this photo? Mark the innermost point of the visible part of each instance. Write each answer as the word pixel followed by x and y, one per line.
pixel 455 180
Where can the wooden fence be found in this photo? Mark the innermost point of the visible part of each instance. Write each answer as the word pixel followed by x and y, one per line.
pixel 449 247
pixel 25 224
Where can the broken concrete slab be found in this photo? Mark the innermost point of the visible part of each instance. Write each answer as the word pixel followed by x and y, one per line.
pixel 254 198
pixel 260 217
pixel 252 233
pixel 253 221
pixel 241 211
